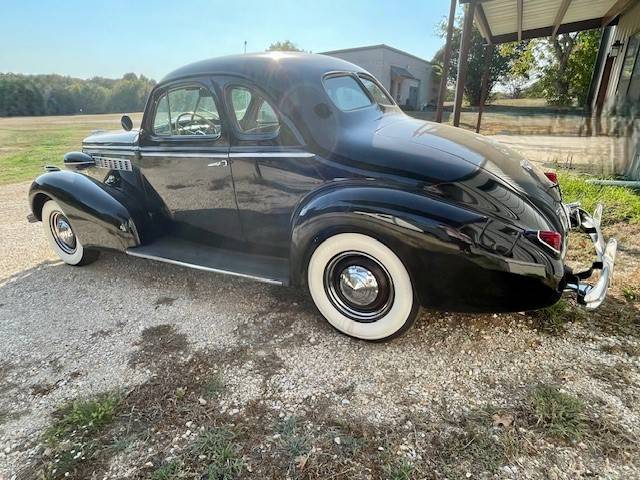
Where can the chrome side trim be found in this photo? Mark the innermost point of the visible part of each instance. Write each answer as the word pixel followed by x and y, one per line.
pixel 168 153
pixel 200 267
pixel 108 147
pixel 99 151
pixel 272 155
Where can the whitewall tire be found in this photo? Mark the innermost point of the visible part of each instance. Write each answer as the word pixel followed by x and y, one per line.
pixel 62 238
pixel 361 287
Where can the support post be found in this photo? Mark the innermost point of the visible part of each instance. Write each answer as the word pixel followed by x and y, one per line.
pixel 465 44
pixel 484 89
pixel 446 61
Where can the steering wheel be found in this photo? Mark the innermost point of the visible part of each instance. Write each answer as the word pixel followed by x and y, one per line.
pixel 194 114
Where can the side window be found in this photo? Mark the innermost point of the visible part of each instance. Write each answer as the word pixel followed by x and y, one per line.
pixel 253 114
pixel 187 111
pixel 375 91
pixel 346 93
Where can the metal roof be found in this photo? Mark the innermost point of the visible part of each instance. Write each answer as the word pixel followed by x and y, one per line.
pixel 502 21
pixel 375 47
pixel 401 72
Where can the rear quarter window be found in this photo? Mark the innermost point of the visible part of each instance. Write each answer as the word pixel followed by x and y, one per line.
pixel 346 93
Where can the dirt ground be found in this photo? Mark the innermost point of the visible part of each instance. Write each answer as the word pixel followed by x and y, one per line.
pixel 186 374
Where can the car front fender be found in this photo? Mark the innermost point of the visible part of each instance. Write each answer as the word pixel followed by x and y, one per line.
pixel 98 218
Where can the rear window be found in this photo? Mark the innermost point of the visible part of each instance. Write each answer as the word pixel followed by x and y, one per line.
pixel 376 92
pixel 346 93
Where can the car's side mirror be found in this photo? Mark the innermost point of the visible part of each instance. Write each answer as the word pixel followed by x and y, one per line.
pixel 78 160
pixel 126 122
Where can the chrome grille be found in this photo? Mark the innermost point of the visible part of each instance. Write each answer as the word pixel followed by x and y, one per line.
pixel 113 163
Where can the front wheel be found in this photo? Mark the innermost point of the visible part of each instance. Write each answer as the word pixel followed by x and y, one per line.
pixel 62 238
pixel 361 287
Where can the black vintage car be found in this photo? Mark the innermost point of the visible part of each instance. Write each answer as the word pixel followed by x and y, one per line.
pixel 299 169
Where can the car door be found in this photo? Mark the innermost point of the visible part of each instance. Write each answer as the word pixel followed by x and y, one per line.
pixel 272 167
pixel 184 156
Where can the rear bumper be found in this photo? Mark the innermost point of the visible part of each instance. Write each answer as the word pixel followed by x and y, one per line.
pixel 591 295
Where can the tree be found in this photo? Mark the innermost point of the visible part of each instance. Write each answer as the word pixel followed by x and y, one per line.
pixel 500 67
pixel 286 46
pixel 569 60
pixel 58 95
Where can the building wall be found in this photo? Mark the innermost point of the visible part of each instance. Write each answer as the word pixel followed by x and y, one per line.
pixel 420 69
pixel 378 62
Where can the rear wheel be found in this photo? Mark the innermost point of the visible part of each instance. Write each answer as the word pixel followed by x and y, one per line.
pixel 361 287
pixel 62 238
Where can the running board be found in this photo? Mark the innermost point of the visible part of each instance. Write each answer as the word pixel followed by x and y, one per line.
pixel 262 268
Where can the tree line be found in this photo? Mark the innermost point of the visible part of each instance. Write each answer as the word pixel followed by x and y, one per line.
pixel 27 95
pixel 557 69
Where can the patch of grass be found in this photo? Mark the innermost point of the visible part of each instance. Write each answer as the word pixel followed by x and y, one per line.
pixel 629 294
pixel 558 414
pixel 82 418
pixel 553 319
pixel 402 470
pixel 27 144
pixel 621 204
pixel 294 440
pixel 216 386
pixel 166 472
pixel 221 452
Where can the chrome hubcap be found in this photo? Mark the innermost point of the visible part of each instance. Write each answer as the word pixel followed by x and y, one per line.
pixel 359 286
pixel 62 232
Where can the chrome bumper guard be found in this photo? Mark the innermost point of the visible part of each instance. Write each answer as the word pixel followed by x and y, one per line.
pixel 591 295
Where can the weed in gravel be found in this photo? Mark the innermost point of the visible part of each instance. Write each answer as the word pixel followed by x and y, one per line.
pixel 402 470
pixel 169 471
pixel 82 418
pixel 558 414
pixel 215 387
pixel 294 441
pixel 553 319
pixel 629 294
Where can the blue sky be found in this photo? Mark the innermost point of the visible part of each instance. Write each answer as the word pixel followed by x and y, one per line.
pixel 112 37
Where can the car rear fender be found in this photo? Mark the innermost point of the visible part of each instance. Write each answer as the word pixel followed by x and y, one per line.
pixel 98 218
pixel 403 220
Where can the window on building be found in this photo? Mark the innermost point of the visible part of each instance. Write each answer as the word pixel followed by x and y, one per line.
pixel 629 84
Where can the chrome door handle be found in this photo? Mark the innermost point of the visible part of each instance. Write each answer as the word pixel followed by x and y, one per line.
pixel 220 163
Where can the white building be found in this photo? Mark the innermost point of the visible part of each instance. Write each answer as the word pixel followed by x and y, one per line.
pixel 409 79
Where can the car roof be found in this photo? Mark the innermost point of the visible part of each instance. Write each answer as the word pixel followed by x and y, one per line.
pixel 269 67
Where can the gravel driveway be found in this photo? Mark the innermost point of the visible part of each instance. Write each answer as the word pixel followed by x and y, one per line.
pixel 71 333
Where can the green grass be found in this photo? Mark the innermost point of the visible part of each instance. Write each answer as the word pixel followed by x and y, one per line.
pixel 82 418
pixel 222 453
pixel 553 319
pixel 293 438
pixel 216 386
pixel 27 144
pixel 558 414
pixel 402 470
pixel 166 472
pixel 621 204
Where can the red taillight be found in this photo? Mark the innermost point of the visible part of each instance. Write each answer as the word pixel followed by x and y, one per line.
pixel 553 176
pixel 551 239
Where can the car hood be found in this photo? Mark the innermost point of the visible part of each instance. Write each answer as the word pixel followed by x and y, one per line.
pixel 113 138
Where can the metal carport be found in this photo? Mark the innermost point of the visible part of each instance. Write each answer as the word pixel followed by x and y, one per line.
pixel 502 21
